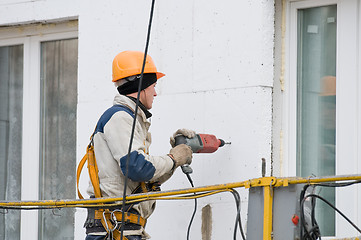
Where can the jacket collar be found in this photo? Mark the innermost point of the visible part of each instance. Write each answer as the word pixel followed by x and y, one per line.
pixel 145 110
pixel 126 101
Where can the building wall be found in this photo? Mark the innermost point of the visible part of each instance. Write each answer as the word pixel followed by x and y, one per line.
pixel 218 61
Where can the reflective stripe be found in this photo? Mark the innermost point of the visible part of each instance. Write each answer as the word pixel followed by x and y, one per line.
pixel 139 170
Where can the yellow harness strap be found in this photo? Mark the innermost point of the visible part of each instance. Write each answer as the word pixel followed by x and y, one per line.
pixel 105 216
pixel 94 178
pixel 78 172
pixel 144 187
pixel 92 169
pixel 128 217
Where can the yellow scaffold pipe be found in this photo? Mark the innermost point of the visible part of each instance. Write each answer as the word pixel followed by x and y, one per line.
pixel 257 182
pixel 133 197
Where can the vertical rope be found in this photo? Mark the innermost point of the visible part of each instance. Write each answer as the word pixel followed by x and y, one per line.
pixel 135 118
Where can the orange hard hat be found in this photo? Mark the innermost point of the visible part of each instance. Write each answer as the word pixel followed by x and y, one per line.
pixel 129 63
pixel 328 86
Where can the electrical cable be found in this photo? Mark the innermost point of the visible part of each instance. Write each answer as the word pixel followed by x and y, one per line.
pixel 332 206
pixel 314 223
pixel 314 232
pixel 28 208
pixel 343 184
pixel 194 211
pixel 135 118
pixel 187 170
pixel 238 216
pixel 93 205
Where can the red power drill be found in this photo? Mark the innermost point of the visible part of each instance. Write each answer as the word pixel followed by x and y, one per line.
pixel 201 143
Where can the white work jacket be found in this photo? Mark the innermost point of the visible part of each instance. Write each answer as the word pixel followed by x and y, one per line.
pixel 111 143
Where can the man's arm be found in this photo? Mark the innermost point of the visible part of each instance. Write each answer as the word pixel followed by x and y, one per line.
pixel 142 167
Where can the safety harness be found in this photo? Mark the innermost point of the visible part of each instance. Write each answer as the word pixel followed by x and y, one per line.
pixel 108 218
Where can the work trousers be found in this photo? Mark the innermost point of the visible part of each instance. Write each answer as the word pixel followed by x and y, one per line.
pixel 95 237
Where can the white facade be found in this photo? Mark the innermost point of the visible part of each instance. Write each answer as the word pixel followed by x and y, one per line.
pixel 222 61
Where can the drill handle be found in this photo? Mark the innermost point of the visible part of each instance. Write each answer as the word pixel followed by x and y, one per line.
pixel 180 139
pixel 186 169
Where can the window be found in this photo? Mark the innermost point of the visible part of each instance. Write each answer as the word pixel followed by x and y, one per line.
pixel 58 134
pixel 11 104
pixel 317 56
pixel 316 102
pixel 38 78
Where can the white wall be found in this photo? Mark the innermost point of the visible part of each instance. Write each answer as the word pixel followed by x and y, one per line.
pixel 14 12
pixel 218 61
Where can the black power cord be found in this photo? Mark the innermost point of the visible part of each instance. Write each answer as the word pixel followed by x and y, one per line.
pixel 187 170
pixel 238 216
pixel 314 232
pixel 332 206
pixel 135 118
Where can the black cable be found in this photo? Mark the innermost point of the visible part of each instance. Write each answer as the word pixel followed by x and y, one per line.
pixel 135 118
pixel 187 170
pixel 332 206
pixel 238 216
pixel 315 229
pixel 343 184
pixel 314 233
pixel 195 207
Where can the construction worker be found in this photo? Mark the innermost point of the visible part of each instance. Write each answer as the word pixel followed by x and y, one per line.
pixel 111 142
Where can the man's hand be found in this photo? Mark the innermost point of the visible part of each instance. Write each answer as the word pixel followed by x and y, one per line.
pixel 185 132
pixel 181 154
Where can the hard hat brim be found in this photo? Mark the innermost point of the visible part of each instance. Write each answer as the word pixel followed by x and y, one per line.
pixel 159 75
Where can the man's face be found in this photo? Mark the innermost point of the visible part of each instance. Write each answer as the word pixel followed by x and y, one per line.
pixel 147 96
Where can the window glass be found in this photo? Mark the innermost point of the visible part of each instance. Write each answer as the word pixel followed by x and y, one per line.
pixel 11 111
pixel 58 135
pixel 316 103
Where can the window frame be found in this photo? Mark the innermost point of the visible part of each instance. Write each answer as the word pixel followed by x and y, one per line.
pixel 290 99
pixel 31 36
pixel 348 107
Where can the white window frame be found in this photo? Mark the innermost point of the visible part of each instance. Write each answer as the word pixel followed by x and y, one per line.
pixel 348 102
pixel 31 38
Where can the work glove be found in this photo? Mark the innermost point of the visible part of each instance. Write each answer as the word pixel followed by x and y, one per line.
pixel 181 154
pixel 185 132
